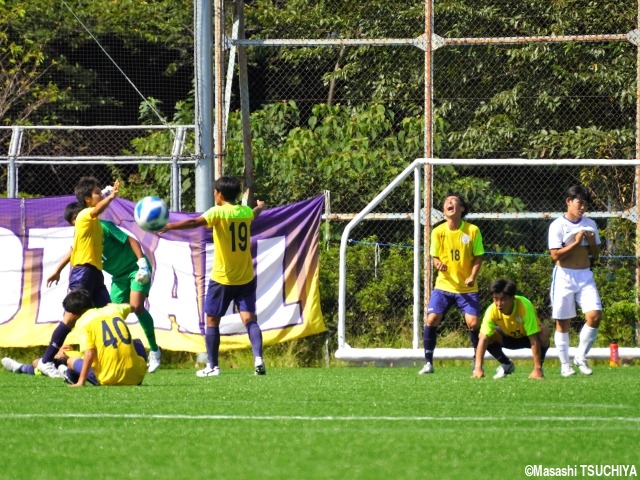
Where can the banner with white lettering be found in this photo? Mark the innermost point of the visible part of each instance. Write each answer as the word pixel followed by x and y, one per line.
pixel 284 242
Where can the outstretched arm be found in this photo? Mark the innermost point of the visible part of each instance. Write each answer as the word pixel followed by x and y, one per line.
pixel 537 356
pixel 55 276
pixel 184 224
pixel 478 371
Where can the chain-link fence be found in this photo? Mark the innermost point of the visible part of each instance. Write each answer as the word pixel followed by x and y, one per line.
pixel 48 161
pixel 341 96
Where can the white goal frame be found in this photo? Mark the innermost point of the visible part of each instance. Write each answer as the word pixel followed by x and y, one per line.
pixel 415 354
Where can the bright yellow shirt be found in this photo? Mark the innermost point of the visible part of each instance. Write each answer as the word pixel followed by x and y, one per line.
pixel 232 260
pixel 87 240
pixel 457 249
pixel 116 362
pixel 521 322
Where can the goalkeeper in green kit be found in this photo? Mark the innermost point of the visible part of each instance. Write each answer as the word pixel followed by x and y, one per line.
pixel 130 270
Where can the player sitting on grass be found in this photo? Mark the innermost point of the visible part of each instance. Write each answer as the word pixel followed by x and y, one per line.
pixel 110 355
pixel 123 259
pixel 232 275
pixel 512 323
pixel 86 261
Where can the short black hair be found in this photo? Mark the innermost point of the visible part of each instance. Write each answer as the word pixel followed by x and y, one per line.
pixel 77 302
pixel 71 211
pixel 502 285
pixel 578 192
pixel 229 187
pixel 461 200
pixel 85 187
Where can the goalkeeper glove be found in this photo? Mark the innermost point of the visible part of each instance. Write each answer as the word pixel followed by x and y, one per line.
pixel 144 274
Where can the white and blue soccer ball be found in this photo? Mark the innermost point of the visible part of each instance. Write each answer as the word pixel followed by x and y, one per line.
pixel 151 213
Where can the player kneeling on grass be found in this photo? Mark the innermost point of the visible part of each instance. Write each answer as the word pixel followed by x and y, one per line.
pixel 111 356
pixel 511 322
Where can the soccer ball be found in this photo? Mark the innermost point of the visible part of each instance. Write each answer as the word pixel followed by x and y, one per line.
pixel 151 213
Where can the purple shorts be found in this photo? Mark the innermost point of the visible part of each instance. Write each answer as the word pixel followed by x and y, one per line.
pixel 89 278
pixel 441 301
pixel 220 296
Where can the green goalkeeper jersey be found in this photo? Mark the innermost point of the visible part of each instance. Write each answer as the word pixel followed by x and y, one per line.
pixel 118 258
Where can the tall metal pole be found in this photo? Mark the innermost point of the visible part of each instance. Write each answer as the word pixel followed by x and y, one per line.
pixel 219 125
pixel 428 146
pixel 637 169
pixel 204 104
pixel 12 170
pixel 243 81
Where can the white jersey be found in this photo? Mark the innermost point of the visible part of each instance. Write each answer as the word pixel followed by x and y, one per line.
pixel 562 231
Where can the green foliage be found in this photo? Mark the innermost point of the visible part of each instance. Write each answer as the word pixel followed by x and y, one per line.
pixel 380 298
pixel 23 66
pixel 348 151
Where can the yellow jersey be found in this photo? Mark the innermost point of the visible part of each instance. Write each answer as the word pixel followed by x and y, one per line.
pixel 232 259
pixel 521 322
pixel 87 240
pixel 116 362
pixel 457 249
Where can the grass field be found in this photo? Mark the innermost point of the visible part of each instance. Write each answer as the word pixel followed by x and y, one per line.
pixel 324 423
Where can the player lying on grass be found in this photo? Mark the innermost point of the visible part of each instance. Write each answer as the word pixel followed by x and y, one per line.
pixel 511 321
pixel 109 351
pixel 124 260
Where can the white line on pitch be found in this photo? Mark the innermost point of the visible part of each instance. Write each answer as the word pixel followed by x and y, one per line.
pixel 284 418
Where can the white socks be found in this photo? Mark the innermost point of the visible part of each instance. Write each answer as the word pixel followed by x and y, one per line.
pixel 587 338
pixel 562 346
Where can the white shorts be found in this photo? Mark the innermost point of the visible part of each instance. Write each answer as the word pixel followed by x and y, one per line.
pixel 570 286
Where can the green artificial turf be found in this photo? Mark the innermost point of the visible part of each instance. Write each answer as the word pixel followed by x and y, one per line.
pixel 331 423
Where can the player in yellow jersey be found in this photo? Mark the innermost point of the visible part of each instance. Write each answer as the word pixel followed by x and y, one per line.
pixel 111 356
pixel 512 322
pixel 232 274
pixel 457 250
pixel 86 261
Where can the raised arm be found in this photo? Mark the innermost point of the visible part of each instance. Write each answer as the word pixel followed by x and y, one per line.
pixel 104 203
pixel 257 210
